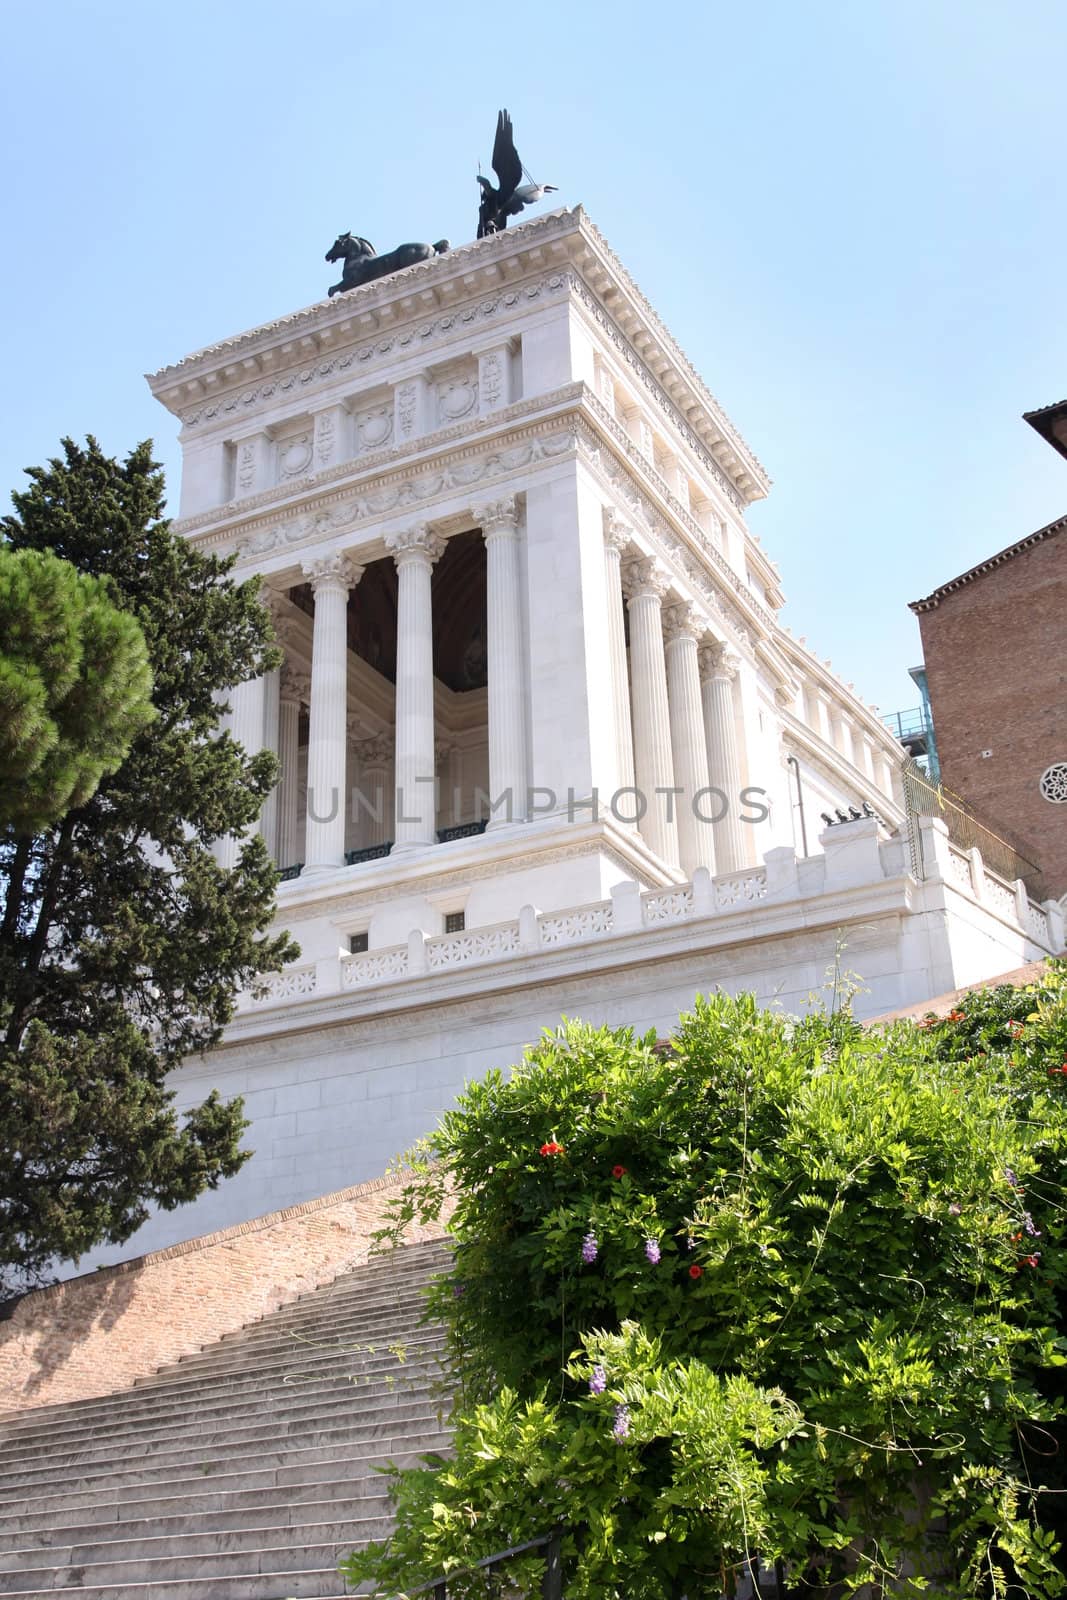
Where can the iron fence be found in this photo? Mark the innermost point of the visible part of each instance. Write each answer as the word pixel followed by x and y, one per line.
pixel 925 798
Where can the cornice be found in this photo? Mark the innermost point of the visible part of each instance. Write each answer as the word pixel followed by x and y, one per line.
pixel 408 339
pixel 467 285
pixel 807 665
pixel 835 767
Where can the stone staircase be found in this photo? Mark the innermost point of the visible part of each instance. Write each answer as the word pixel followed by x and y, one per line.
pixel 241 1473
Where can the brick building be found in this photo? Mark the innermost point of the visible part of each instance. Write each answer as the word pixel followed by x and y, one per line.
pixel 995 643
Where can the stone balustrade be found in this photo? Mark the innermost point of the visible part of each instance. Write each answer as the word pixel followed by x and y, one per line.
pixel 855 859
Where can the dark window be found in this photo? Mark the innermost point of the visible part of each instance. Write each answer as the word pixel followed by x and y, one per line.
pixel 455 921
pixel 358 942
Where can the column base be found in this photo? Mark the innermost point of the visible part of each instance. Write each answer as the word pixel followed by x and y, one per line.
pixel 411 847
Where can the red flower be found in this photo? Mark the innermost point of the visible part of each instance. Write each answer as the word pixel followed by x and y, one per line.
pixel 1031 1261
pixel 695 1271
pixel 552 1148
pixel 955 1016
pixel 620 1171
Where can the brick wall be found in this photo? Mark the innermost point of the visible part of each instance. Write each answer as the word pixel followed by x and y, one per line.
pixel 996 663
pixel 95 1335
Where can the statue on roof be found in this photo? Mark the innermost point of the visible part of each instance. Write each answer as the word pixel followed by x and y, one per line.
pixel 362 264
pixel 512 196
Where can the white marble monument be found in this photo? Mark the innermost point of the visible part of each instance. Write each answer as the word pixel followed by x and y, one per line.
pixel 544 745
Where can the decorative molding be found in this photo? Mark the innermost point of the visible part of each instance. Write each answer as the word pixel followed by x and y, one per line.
pixel 717 661
pixel 644 578
pixel 618 533
pixel 496 516
pixel 371 354
pixel 683 621
pixel 376 751
pixel 333 567
pixel 418 544
pixel 295 686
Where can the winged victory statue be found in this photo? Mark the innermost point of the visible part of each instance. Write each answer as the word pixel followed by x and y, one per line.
pixel 512 196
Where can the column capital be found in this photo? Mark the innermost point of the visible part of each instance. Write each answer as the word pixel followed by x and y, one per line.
pixel 333 568
pixel 375 751
pixel 354 727
pixel 618 533
pixel 644 579
pixel 682 621
pixel 442 749
pixel 418 545
pixel 295 686
pixel 496 516
pixel 717 660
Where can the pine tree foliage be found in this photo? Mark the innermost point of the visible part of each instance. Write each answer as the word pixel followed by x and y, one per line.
pixel 123 942
pixel 75 687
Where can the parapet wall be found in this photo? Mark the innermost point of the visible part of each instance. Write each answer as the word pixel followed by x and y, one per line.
pixel 98 1334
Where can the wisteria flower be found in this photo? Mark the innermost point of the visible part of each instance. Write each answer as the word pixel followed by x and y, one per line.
pixel 1029 1227
pixel 621 1426
pixel 589 1249
pixel 599 1381
pixel 954 1210
pixel 652 1251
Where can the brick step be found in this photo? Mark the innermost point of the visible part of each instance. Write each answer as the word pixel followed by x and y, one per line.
pixel 372 1298
pixel 109 1499
pixel 263 1445
pixel 346 1308
pixel 281 1399
pixel 96 1554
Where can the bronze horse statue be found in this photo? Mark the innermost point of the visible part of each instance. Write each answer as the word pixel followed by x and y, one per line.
pixel 363 266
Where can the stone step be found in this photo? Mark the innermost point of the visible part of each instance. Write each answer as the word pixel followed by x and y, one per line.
pixel 287 1398
pixel 274 1559
pixel 344 1508
pixel 361 1336
pixel 106 1498
pixel 263 1445
pixel 308 1584
pixel 99 1557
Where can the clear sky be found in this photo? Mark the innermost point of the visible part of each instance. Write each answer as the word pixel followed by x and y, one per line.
pixel 851 215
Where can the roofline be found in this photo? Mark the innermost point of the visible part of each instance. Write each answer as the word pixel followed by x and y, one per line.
pixel 1017 549
pixel 1043 420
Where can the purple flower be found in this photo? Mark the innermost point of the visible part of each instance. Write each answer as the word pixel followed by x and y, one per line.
pixel 652 1251
pixel 954 1210
pixel 1011 1178
pixel 1028 1225
pixel 621 1426
pixel 589 1249
pixel 690 1243
pixel 599 1381
pixel 459 1290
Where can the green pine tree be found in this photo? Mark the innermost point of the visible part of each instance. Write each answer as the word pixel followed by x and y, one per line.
pixel 122 942
pixel 75 687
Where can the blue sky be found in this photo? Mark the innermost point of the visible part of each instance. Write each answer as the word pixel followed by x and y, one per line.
pixel 851 216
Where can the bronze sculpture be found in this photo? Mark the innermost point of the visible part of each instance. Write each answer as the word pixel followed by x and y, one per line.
pixel 362 265
pixel 497 205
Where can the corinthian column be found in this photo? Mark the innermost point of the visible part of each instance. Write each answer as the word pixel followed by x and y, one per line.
pixel 246 729
pixel 507 698
pixel 371 796
pixel 414 550
pixel 331 578
pixel 696 844
pixel 294 688
pixel 617 536
pixel 653 761
pixel 718 669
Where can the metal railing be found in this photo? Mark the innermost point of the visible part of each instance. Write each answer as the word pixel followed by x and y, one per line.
pixel 906 724
pixel 373 852
pixel 462 830
pixel 551 1583
pixel 924 798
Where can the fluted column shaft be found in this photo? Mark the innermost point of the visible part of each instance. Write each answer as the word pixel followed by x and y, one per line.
pixel 373 809
pixel 508 773
pixel 414 550
pixel 696 842
pixel 331 578
pixel 292 689
pixel 653 759
pixel 268 817
pixel 718 669
pixel 616 538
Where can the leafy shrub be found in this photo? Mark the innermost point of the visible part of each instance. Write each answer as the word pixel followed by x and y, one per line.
pixel 786 1291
